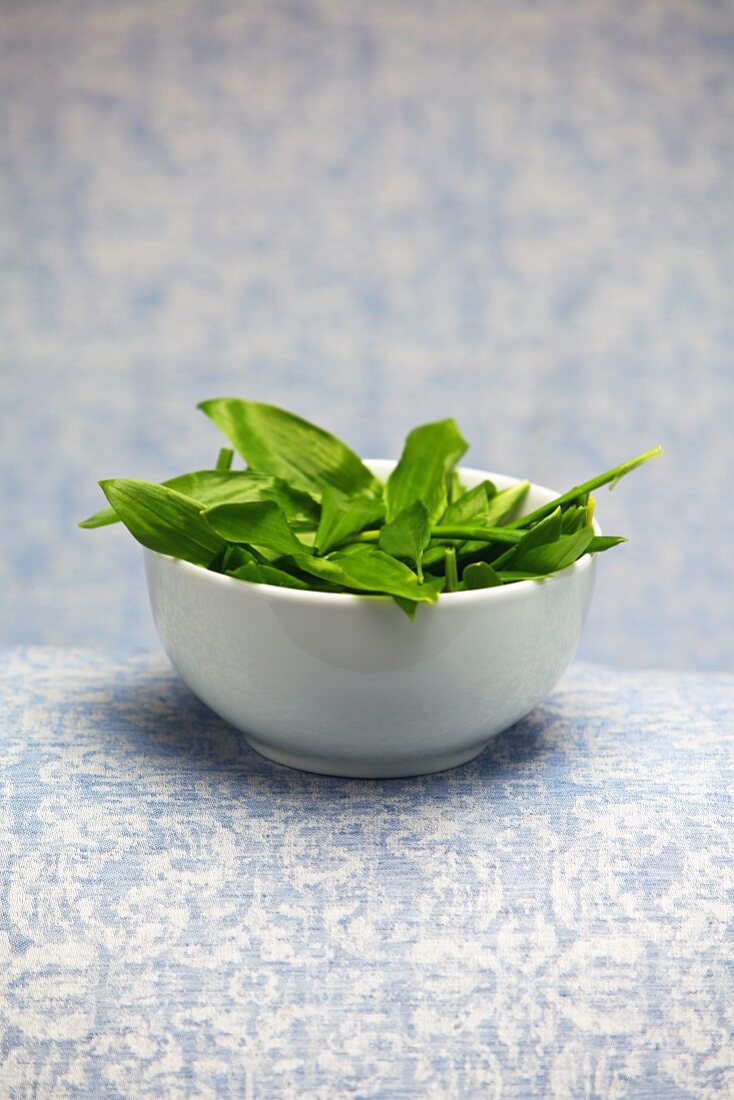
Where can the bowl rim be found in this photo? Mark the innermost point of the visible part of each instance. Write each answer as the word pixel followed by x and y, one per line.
pixel 349 599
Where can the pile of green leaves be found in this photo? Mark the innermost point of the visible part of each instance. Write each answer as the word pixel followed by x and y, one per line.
pixel 307 513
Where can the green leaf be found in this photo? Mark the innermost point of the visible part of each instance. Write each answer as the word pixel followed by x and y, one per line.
pixel 454 488
pixel 163 519
pixel 476 509
pixel 470 508
pixel 299 507
pixel 505 503
pixel 408 535
pixel 499 506
pixel 231 557
pixel 370 570
pixel 211 487
pixel 342 516
pixel 273 441
pixel 574 518
pixel 356 545
pixel 258 573
pixel 365 568
pixel 235 556
pixel 408 606
pixel 548 530
pixel 261 524
pixel 599 543
pixel 480 575
pixel 428 456
pixel 553 556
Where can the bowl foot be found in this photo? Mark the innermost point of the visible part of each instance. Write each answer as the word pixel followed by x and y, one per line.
pixel 366 769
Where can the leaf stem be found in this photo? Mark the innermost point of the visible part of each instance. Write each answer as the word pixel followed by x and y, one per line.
pixel 363 536
pixel 478 534
pixel 452 576
pixel 611 477
pixel 224 459
pixel 460 533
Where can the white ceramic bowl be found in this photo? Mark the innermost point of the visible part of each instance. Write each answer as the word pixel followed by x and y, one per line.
pixel 348 685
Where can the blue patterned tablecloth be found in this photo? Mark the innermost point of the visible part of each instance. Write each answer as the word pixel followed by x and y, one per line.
pixel 182 918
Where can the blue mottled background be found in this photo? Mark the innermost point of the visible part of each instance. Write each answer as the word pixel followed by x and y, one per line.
pixel 517 213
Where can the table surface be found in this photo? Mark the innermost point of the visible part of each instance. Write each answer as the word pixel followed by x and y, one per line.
pixel 180 917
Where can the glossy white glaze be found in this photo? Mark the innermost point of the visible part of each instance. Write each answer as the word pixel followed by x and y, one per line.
pixel 348 685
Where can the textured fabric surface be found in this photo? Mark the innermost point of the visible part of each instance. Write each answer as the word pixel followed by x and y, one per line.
pixel 181 918
pixel 512 212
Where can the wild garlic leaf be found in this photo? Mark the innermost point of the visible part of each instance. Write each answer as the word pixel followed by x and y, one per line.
pixel 299 507
pixel 264 525
pixel 599 543
pixel 163 519
pixel 342 516
pixel 371 570
pixel 259 573
pixel 235 556
pixel 480 575
pixel 273 441
pixel 552 556
pixel 548 530
pixel 499 506
pixel 407 536
pixel 410 607
pixel 454 487
pixel 474 508
pixel 104 518
pixel 574 518
pixel 184 483
pixel 212 487
pixel 430 452
pixel 261 524
pixel 355 547
pixel 506 502
pixel 471 507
